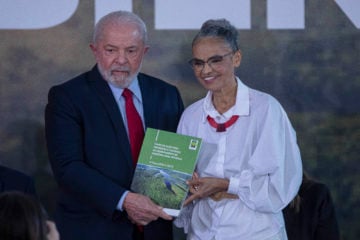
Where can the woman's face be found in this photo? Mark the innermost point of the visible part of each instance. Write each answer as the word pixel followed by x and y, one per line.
pixel 214 63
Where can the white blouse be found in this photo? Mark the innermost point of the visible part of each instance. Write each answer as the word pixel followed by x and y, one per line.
pixel 258 154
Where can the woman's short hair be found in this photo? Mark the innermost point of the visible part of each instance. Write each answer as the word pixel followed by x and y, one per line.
pixel 219 28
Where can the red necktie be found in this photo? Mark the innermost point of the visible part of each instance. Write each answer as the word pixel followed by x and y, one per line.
pixel 221 127
pixel 136 134
pixel 135 126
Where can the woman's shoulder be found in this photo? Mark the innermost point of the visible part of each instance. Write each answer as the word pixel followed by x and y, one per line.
pixel 260 98
pixel 195 107
pixel 264 105
pixel 192 114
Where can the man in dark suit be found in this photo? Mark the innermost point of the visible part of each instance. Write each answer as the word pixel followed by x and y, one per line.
pixel 13 180
pixel 87 128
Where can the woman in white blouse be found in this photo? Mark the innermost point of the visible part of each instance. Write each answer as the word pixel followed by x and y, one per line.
pixel 255 169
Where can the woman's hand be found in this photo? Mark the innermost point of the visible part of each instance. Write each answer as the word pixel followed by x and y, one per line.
pixel 207 187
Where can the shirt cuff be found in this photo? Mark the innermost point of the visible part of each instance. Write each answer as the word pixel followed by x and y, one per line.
pixel 121 201
pixel 238 185
pixel 234 184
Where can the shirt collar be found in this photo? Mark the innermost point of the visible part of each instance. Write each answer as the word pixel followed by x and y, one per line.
pixel 241 107
pixel 134 87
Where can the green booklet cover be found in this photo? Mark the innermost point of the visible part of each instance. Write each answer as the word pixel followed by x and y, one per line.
pixel 166 161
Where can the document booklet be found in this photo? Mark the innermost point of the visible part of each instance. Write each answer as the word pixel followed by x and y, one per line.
pixel 167 160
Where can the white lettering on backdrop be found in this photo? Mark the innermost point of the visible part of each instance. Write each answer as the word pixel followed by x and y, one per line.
pixel 170 15
pixel 35 14
pixel 190 14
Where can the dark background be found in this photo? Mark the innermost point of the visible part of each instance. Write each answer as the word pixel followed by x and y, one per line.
pixel 313 72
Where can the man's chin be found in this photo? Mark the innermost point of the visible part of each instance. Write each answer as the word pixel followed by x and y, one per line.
pixel 120 82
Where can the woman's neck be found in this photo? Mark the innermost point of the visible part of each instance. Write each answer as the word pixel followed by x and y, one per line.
pixel 224 99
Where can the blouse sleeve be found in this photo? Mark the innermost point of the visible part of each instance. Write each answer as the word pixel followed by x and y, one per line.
pixel 274 173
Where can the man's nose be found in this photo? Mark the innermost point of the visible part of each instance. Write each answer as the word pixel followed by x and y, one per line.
pixel 121 57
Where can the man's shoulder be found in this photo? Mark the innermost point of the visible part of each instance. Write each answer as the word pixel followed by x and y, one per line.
pixel 152 80
pixel 80 79
pixel 76 80
pixel 143 76
pixel 12 175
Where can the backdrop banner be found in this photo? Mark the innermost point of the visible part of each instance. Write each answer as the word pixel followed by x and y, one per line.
pixel 304 53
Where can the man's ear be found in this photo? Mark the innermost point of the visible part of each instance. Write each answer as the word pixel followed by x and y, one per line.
pixel 92 47
pixel 146 49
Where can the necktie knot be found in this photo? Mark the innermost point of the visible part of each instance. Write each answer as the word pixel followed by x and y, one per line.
pixel 127 94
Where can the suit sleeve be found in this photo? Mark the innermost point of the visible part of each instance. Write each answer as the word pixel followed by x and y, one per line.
pixel 64 126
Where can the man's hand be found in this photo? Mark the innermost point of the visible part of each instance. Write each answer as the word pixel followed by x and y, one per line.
pixel 52 233
pixel 141 210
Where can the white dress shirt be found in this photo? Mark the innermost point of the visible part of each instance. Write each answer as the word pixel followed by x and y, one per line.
pixel 137 99
pixel 260 157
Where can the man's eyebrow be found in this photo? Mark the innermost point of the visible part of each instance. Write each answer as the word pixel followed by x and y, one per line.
pixel 110 45
pixel 197 59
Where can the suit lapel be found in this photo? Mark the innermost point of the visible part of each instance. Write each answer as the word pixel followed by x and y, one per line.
pixel 105 95
pixel 148 106
pixel 1 179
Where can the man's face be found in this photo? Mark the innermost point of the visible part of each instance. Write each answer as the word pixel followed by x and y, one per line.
pixel 119 53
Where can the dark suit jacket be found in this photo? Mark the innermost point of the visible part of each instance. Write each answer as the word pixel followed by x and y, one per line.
pixel 13 180
pixel 90 154
pixel 316 219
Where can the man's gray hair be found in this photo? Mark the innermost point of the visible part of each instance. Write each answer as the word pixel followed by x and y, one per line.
pixel 118 18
